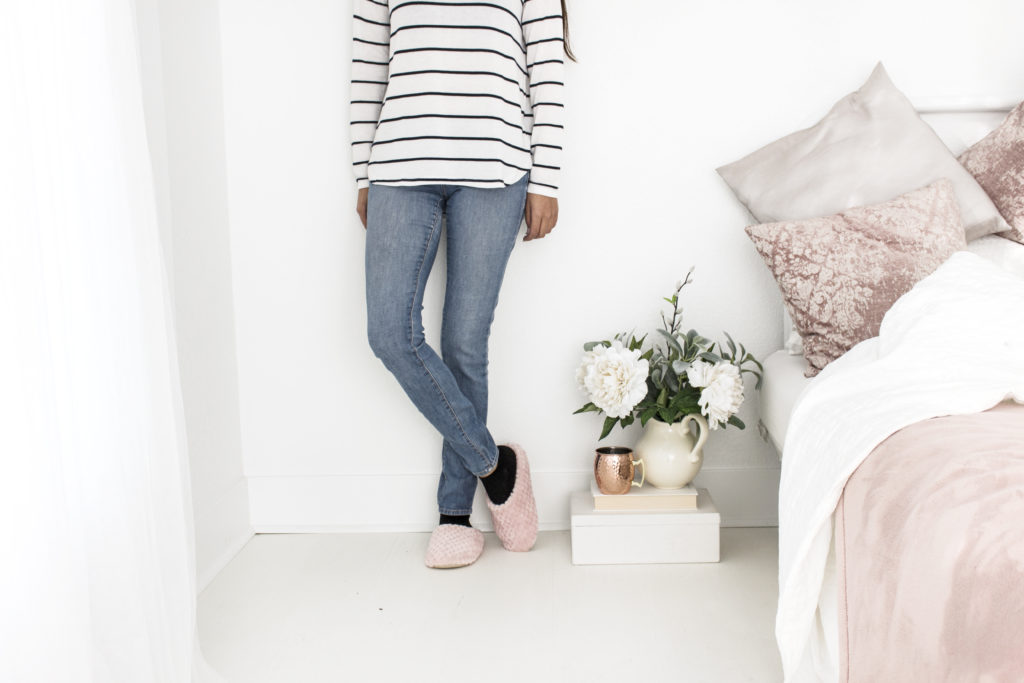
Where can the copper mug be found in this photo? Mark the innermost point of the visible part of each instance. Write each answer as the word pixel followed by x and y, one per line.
pixel 614 469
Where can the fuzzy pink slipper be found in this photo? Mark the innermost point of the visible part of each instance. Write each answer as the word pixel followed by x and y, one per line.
pixel 454 545
pixel 515 520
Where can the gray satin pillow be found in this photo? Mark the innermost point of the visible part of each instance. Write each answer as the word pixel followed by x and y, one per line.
pixel 872 146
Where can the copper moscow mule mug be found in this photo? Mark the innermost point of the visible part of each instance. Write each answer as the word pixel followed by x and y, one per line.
pixel 614 469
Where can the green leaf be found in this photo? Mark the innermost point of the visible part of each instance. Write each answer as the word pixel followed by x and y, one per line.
pixel 710 357
pixel 665 414
pixel 672 341
pixel 736 422
pixel 588 408
pixel 647 414
pixel 759 373
pixel 626 421
pixel 686 403
pixel 589 346
pixel 663 397
pixel 672 381
pixel 732 344
pixel 609 424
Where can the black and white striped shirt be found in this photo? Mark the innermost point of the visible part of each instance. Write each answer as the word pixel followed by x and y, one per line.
pixel 457 92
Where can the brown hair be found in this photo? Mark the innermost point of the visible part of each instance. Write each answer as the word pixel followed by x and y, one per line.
pixel 565 32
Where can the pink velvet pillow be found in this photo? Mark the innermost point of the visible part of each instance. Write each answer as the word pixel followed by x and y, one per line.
pixel 997 163
pixel 840 274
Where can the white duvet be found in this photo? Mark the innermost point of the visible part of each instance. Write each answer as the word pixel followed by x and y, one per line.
pixel 952 345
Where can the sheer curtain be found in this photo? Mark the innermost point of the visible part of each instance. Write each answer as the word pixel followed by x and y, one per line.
pixel 97 579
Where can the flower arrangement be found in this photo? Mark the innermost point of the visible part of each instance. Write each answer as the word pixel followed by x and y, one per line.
pixel 677 375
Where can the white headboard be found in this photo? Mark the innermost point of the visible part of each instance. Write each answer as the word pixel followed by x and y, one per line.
pixel 962 122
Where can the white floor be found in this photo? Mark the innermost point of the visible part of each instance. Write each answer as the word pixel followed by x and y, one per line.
pixel 363 608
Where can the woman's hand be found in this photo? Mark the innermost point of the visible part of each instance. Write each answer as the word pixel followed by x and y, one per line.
pixel 364 193
pixel 541 215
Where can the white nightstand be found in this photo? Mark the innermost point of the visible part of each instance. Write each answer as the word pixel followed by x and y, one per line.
pixel 613 537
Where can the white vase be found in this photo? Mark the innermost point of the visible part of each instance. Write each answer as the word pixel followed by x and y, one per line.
pixel 671 456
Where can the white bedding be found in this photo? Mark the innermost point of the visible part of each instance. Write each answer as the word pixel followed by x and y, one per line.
pixel 953 345
pixel 1004 253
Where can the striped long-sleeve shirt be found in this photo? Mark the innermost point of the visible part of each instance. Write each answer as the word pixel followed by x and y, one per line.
pixel 457 92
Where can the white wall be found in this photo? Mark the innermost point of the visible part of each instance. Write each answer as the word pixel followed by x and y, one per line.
pixel 181 63
pixel 147 19
pixel 661 96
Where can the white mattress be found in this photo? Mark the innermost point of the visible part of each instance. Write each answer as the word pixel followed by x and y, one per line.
pixel 784 379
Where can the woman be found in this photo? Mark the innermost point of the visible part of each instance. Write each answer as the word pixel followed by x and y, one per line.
pixel 456 112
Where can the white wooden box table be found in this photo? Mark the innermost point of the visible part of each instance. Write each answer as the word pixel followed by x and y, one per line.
pixel 643 537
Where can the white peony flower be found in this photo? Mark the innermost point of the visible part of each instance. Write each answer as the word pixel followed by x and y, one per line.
pixel 614 377
pixel 722 396
pixel 699 373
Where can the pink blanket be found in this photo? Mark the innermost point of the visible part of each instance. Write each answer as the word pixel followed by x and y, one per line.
pixel 930 554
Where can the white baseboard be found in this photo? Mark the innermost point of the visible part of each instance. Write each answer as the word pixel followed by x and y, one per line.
pixel 222 529
pixel 406 502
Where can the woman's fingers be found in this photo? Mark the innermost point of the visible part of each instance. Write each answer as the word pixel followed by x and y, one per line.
pixel 541 216
pixel 532 222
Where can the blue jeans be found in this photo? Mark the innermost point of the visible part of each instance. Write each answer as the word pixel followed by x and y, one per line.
pixel 402 236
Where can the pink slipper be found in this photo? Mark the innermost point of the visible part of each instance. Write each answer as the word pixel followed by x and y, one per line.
pixel 515 520
pixel 454 545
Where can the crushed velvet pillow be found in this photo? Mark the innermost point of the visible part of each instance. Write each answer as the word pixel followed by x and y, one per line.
pixel 997 163
pixel 871 147
pixel 840 274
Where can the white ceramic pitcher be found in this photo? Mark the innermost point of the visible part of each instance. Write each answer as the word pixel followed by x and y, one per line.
pixel 672 458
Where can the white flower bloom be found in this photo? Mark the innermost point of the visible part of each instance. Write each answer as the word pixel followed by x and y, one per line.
pixel 614 377
pixel 722 396
pixel 699 373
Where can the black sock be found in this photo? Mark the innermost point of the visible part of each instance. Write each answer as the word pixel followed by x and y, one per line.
pixel 499 483
pixel 461 520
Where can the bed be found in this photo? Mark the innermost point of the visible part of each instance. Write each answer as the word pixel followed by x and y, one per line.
pixel 832 643
pixel 901 503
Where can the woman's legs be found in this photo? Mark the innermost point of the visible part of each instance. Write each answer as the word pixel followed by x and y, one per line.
pixel 482 229
pixel 403 232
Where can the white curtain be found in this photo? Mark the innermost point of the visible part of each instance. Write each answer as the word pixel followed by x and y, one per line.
pixel 97 578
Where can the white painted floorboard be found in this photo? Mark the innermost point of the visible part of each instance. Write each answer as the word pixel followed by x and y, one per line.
pixel 312 608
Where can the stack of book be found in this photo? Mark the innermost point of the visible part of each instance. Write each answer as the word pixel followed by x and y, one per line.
pixel 646 525
pixel 646 499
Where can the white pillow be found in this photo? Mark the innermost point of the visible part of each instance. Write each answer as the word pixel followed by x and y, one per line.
pixel 871 147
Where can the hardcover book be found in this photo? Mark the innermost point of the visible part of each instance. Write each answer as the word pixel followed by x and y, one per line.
pixel 646 498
